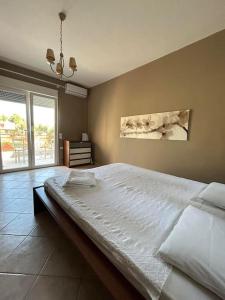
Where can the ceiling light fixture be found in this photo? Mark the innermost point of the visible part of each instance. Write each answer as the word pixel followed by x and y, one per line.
pixel 59 69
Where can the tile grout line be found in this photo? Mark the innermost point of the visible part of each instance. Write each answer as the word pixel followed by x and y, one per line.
pixel 38 274
pixel 41 275
pixel 9 221
pixel 25 236
pixel 16 234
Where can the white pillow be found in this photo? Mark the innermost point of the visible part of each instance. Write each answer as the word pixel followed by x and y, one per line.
pixel 196 246
pixel 214 194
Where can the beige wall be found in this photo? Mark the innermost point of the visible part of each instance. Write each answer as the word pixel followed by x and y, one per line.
pixel 72 116
pixel 72 110
pixel 191 78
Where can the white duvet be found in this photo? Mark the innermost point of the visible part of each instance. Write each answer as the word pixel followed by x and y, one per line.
pixel 196 246
pixel 128 215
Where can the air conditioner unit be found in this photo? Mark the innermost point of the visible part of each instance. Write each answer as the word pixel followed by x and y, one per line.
pixel 75 90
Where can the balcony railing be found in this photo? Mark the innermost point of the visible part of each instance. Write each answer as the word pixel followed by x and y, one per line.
pixel 14 149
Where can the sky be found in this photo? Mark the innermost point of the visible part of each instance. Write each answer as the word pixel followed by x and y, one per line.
pixel 42 115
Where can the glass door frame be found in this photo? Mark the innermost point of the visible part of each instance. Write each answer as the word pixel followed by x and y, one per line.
pixel 30 132
pixel 1 166
pixel 33 166
pixel 25 93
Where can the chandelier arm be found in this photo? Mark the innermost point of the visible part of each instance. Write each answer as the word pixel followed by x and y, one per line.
pixel 52 69
pixel 68 76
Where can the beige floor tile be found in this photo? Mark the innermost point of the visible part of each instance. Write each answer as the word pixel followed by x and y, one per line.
pixel 16 193
pixel 29 257
pixel 14 184
pixel 6 218
pixel 64 263
pixel 54 288
pixel 8 243
pixel 23 224
pixel 15 287
pixel 4 203
pixel 20 205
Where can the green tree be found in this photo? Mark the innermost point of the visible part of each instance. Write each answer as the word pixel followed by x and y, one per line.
pixel 3 118
pixel 41 129
pixel 19 122
pixel 50 137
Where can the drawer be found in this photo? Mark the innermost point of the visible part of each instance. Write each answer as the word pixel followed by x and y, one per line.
pixel 80 144
pixel 79 156
pixel 80 150
pixel 80 162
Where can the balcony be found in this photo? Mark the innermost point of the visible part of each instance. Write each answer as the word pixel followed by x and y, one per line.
pixel 15 153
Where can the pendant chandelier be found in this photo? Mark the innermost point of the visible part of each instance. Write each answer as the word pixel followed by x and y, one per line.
pixel 59 68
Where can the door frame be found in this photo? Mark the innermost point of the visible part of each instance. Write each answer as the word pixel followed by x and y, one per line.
pixel 29 121
pixel 32 147
pixel 1 169
pixel 21 92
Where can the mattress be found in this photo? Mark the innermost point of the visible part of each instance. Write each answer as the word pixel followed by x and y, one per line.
pixel 128 215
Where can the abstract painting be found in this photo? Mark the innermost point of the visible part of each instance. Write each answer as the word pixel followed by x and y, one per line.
pixel 172 125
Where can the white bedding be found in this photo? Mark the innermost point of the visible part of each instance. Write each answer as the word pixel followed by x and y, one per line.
pixel 128 215
pixel 196 246
pixel 214 194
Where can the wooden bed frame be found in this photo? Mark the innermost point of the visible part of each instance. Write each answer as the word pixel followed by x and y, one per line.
pixel 119 287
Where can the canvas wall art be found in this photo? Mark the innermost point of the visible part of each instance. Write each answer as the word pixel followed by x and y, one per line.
pixel 167 125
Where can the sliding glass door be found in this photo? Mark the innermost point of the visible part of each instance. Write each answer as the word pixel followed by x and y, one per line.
pixel 13 130
pixel 43 111
pixel 28 128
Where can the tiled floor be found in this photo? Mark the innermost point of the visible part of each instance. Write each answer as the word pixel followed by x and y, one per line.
pixel 36 260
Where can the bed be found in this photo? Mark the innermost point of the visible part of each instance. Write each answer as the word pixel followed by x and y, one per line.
pixel 127 216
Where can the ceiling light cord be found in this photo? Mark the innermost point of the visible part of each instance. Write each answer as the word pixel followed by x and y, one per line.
pixel 61 36
pixel 61 51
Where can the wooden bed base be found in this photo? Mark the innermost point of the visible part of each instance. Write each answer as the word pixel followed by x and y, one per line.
pixel 111 277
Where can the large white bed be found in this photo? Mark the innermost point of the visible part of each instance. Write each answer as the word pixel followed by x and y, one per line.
pixel 128 215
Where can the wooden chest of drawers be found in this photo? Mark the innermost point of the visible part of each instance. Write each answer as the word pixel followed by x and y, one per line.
pixel 77 153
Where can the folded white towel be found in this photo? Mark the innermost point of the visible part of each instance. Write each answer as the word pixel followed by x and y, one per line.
pixel 80 178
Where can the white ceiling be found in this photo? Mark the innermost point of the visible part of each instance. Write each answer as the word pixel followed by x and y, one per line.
pixel 107 37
